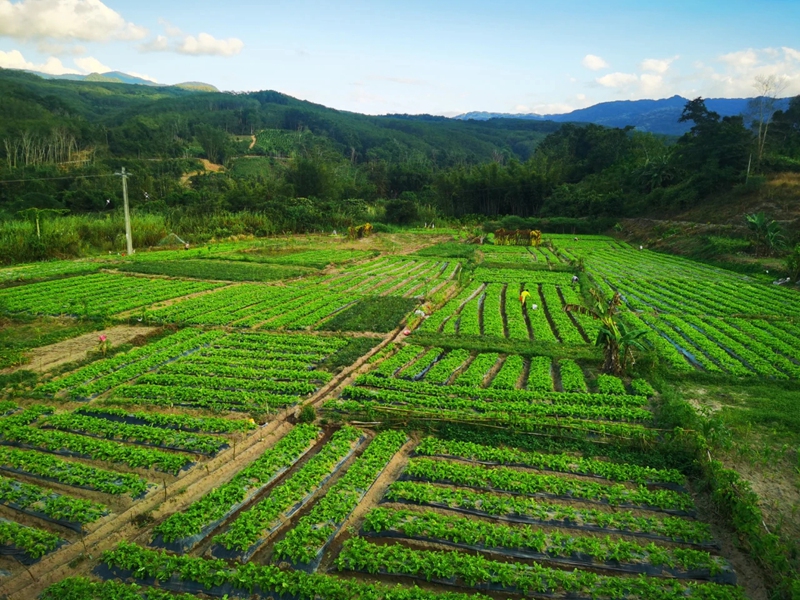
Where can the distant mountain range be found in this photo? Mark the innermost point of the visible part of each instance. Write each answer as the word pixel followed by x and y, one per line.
pixel 119 77
pixel 656 116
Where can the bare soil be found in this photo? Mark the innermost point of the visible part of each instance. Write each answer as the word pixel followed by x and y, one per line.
pixel 77 349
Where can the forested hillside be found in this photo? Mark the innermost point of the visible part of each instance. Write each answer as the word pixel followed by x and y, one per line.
pixel 302 166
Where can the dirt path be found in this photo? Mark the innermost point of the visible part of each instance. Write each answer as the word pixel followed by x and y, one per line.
pixel 49 357
pixel 252 142
pixel 207 166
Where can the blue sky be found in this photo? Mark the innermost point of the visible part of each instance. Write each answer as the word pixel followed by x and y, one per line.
pixel 441 57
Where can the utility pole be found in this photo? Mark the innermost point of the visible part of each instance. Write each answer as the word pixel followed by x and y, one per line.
pixel 128 235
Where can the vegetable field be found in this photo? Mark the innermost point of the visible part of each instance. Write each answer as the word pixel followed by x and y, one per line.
pixel 332 419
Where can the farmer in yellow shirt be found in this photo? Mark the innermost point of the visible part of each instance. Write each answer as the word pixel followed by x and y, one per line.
pixel 523 297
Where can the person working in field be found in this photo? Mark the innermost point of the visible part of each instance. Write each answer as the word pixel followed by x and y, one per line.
pixel 523 297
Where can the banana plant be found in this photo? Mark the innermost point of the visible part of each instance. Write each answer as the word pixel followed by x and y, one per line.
pixel 617 340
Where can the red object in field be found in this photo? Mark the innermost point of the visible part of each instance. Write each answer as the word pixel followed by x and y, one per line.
pixel 407 332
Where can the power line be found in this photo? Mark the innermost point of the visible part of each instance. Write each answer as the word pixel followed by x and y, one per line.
pixel 52 178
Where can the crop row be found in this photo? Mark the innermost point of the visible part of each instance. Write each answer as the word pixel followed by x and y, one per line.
pixel 33 499
pixel 308 538
pixel 228 383
pixel 561 319
pixel 494 394
pixel 263 580
pixel 87 447
pixel 95 294
pixel 509 374
pixel 137 434
pixel 571 376
pixel 159 395
pixel 493 310
pixel 528 579
pixel 48 269
pixel 221 500
pixel 257 521
pixel 169 421
pixel 70 473
pixel 565 463
pixel 522 482
pixel 247 359
pixel 31 541
pixel 447 314
pixel 531 510
pixel 394 363
pixel 564 427
pixel 537 543
pixel 477 371
pixel 83 588
pixel 444 368
pixel 238 372
pixel 589 325
pixel 291 344
pixel 540 377
pixel 161 351
pixel 417 369
pixel 387 397
pixel 131 371
pixel 608 384
pixel 527 276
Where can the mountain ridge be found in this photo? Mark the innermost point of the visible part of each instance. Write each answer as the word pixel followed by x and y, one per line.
pixel 655 116
pixel 120 77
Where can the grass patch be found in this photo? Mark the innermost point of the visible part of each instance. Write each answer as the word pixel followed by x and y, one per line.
pixel 449 250
pixel 347 355
pixel 23 333
pixel 745 405
pixel 217 269
pixel 380 314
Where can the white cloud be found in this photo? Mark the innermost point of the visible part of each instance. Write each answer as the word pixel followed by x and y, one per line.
pixel 617 80
pixel 158 44
pixel 207 45
pixel 650 84
pixel 202 45
pixel 87 20
pixel 656 65
pixel 141 76
pixel 741 61
pixel 91 65
pixel 52 66
pixel 735 72
pixel 594 63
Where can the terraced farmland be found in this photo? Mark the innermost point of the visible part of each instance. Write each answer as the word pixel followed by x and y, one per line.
pixel 470 449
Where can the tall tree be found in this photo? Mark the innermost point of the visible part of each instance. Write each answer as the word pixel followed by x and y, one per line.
pixel 762 108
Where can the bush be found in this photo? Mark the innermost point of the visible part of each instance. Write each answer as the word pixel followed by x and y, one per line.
pixel 401 212
pixel 307 414
pixel 793 263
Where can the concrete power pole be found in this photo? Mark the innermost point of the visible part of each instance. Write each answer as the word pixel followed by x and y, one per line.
pixel 128 235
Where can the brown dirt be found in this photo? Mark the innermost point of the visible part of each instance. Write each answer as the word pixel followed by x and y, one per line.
pixel 207 166
pixel 487 380
pixel 252 142
pixel 78 349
